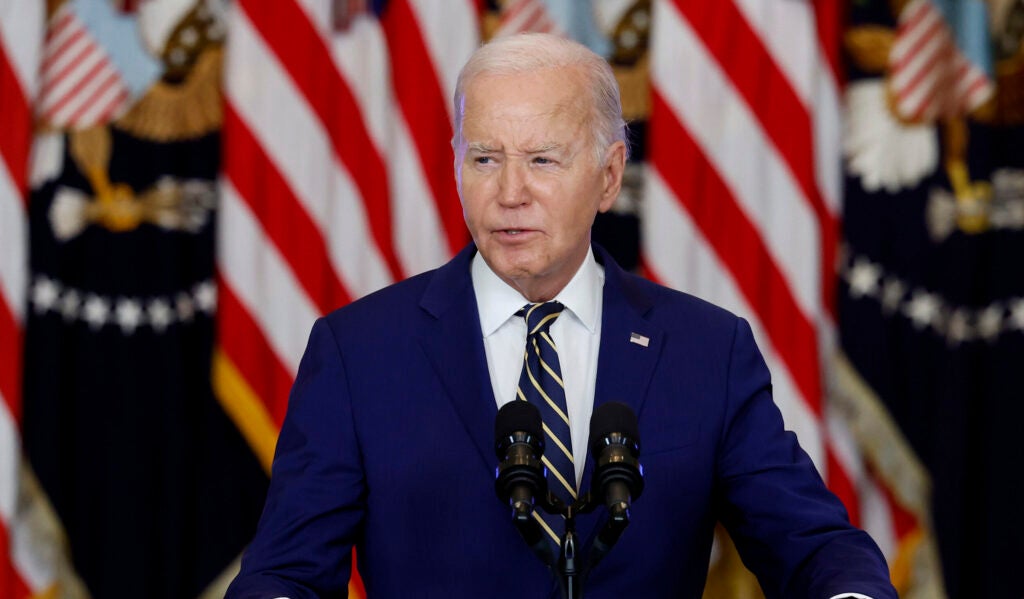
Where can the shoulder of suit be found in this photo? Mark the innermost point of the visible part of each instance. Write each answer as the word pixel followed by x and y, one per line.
pixel 671 306
pixel 384 303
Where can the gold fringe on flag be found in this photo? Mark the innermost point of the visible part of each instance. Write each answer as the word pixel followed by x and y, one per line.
pixel 245 409
pixel 915 570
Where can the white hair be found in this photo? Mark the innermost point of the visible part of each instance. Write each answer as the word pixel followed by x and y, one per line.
pixel 527 52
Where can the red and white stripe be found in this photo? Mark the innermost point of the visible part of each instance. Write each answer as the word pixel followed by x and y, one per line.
pixel 334 180
pixel 23 570
pixel 522 16
pixel 316 143
pixel 742 200
pixel 930 77
pixel 81 86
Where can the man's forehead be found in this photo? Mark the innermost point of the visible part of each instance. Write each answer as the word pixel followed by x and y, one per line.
pixel 520 106
pixel 540 119
pixel 525 112
pixel 556 125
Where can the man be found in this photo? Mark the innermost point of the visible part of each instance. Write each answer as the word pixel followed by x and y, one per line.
pixel 388 445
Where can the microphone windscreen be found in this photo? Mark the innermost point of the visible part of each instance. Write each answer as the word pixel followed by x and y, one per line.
pixel 612 417
pixel 518 415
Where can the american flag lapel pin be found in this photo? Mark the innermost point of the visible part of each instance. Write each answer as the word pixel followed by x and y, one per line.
pixel 639 339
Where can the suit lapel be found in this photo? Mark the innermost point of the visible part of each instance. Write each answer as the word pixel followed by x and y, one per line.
pixel 630 349
pixel 630 344
pixel 454 345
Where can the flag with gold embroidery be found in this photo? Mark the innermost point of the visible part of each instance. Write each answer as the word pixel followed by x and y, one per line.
pixel 932 294
pixel 150 482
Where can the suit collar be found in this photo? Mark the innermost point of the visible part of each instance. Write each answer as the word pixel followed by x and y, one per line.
pixel 630 343
pixel 450 284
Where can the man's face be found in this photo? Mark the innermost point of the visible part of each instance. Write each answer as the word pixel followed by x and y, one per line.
pixel 529 178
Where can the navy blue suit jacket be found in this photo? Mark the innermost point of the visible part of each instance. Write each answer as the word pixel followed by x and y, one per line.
pixel 388 447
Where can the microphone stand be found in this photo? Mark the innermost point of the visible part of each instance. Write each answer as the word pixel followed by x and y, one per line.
pixel 571 570
pixel 569 575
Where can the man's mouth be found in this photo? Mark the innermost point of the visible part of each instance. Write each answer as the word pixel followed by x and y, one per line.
pixel 515 232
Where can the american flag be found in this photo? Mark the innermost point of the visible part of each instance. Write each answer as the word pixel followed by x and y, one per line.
pixel 23 573
pixel 742 206
pixel 519 16
pixel 335 179
pixel 80 84
pixel 930 77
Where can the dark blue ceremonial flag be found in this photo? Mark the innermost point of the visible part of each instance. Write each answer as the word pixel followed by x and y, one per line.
pixel 154 486
pixel 932 297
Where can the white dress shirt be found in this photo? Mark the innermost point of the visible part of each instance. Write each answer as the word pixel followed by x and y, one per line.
pixel 576 333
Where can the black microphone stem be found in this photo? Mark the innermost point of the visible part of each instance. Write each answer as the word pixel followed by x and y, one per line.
pixel 618 520
pixel 569 570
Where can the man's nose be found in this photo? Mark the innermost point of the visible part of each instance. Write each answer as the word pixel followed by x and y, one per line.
pixel 513 184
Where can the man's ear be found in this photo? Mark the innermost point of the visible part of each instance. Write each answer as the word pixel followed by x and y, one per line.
pixel 614 167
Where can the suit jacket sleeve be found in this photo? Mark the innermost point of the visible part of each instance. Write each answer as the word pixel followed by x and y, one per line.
pixel 316 499
pixel 790 530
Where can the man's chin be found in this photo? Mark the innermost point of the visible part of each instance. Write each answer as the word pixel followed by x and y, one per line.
pixel 516 276
pixel 510 261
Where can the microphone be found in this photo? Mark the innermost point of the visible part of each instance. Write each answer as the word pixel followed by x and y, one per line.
pixel 519 444
pixel 519 477
pixel 615 445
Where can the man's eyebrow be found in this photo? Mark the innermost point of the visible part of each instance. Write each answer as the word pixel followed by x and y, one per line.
pixel 545 147
pixel 476 146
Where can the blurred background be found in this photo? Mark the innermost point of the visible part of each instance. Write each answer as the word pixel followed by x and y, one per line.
pixel 185 185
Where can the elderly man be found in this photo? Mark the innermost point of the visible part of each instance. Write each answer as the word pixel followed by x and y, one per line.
pixel 388 445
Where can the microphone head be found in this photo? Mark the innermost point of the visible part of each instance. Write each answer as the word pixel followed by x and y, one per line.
pixel 516 417
pixel 613 417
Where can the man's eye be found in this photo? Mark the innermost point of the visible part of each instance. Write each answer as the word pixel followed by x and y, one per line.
pixel 482 160
pixel 542 160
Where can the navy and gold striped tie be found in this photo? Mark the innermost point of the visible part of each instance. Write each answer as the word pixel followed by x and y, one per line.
pixel 541 384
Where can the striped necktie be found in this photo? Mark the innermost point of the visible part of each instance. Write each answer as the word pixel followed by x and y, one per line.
pixel 541 384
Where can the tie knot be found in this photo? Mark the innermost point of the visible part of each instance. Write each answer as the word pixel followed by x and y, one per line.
pixel 539 317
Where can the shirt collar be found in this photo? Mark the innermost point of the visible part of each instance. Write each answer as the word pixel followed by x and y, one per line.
pixel 497 302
